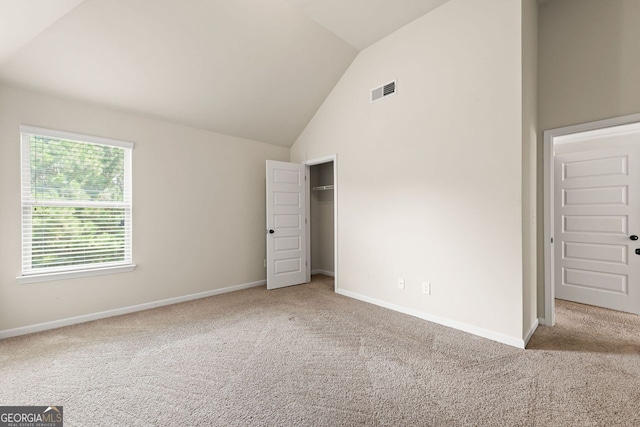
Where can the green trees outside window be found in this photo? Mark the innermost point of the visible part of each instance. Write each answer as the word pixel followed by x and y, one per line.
pixel 76 206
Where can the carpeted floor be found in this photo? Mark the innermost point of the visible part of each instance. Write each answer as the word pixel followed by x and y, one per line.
pixel 305 356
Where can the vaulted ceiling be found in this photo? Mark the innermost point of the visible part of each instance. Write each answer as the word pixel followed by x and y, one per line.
pixel 257 69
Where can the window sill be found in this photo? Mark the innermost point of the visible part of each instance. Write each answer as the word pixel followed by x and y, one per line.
pixel 48 277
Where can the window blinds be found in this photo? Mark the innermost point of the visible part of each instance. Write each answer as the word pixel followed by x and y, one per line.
pixel 76 202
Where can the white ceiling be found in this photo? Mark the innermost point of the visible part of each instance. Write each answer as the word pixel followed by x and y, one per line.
pixel 256 69
pixel 20 21
pixel 363 22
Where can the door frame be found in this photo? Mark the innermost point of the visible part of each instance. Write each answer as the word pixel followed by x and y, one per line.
pixel 550 137
pixel 317 161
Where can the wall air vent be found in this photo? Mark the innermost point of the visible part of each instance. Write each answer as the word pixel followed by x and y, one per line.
pixel 383 91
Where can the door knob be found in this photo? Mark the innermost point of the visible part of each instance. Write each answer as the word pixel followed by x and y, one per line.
pixel 271 231
pixel 637 251
pixel 633 237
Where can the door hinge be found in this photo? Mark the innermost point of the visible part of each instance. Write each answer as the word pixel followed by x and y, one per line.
pixel 552 240
pixel 305 220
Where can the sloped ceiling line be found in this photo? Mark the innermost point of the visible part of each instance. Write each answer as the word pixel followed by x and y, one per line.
pixel 256 69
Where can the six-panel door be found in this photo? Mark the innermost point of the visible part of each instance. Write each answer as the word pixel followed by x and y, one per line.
pixel 596 212
pixel 286 244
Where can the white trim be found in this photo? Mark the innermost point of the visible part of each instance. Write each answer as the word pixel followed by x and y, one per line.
pixel 588 135
pixel 7 333
pixel 128 189
pixel 549 231
pixel 549 137
pixel 542 321
pixel 530 332
pixel 325 272
pixel 49 277
pixel 78 137
pixel 319 160
pixel 484 333
pixel 592 126
pixel 335 222
pixel 307 221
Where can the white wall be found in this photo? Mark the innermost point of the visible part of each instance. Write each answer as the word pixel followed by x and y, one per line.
pixel 529 145
pixel 322 254
pixel 430 180
pixel 589 67
pixel 198 211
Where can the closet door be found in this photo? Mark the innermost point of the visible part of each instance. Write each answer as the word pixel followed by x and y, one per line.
pixel 286 237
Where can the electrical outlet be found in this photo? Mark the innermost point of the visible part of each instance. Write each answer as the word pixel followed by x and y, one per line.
pixel 400 283
pixel 426 288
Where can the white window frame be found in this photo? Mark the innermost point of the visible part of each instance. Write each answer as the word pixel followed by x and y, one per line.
pixel 33 276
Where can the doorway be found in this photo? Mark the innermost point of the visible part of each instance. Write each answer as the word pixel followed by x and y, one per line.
pixel 592 215
pixel 322 217
pixel 301 215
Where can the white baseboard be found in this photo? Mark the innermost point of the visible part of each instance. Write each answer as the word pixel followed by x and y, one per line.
pixel 325 272
pixel 484 333
pixel 23 330
pixel 530 332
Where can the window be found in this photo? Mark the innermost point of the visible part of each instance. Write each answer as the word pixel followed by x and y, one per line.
pixel 76 204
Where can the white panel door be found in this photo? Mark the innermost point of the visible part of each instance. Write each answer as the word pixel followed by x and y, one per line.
pixel 286 237
pixel 597 216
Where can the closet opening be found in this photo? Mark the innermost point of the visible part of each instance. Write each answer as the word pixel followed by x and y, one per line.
pixel 322 218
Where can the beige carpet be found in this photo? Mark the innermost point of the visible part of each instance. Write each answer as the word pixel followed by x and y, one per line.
pixel 305 356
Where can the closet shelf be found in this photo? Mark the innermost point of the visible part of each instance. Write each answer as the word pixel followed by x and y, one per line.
pixel 323 187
